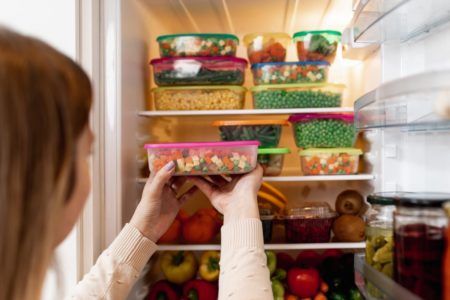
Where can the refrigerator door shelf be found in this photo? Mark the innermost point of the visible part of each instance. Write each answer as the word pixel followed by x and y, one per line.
pixel 410 103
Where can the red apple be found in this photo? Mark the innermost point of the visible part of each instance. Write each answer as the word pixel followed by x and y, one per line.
pixel 284 261
pixel 331 253
pixel 308 259
pixel 304 283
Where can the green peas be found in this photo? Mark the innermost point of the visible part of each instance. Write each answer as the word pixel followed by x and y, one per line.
pixel 269 99
pixel 324 133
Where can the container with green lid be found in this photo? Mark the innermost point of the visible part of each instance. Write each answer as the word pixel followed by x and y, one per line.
pixel 199 97
pixel 330 161
pixel 317 45
pixel 379 237
pixel 193 44
pixel 300 95
pixel 272 160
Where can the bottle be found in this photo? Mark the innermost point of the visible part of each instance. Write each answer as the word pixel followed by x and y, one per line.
pixel 419 230
pixel 446 264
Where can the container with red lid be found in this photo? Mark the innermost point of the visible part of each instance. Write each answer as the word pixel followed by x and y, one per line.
pixel 206 158
pixel 267 132
pixel 310 222
pixel 180 71
pixel 323 130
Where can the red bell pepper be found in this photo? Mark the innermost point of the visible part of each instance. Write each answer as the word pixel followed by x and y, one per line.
pixel 163 290
pixel 200 290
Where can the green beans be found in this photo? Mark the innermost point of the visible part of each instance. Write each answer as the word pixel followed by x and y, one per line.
pixel 324 133
pixel 296 99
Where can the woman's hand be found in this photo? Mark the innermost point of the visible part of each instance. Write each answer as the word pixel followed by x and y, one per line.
pixel 159 203
pixel 236 199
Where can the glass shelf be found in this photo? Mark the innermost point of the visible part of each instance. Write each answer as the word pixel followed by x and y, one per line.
pixel 377 21
pixel 416 103
pixel 387 288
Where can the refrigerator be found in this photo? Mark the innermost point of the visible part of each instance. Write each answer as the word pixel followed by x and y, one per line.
pixel 393 59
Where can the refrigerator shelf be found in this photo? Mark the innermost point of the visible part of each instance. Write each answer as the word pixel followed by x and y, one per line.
pixel 415 103
pixel 377 21
pixel 185 113
pixel 359 177
pixel 387 288
pixel 313 246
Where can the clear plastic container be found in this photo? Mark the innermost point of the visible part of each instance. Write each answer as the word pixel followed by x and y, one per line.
pixel 330 161
pixel 193 44
pixel 204 158
pixel 323 130
pixel 272 160
pixel 379 238
pixel 199 71
pixel 317 45
pixel 266 47
pixel 268 132
pixel 267 217
pixel 199 97
pixel 297 95
pixel 419 239
pixel 290 72
pixel 309 223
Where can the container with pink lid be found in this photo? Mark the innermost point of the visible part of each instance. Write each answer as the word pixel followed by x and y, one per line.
pixel 178 71
pixel 323 130
pixel 207 158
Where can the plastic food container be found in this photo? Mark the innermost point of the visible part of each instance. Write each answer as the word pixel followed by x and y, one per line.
pixel 204 158
pixel 267 217
pixel 309 223
pixel 199 71
pixel 266 47
pixel 290 72
pixel 208 44
pixel 317 45
pixel 297 95
pixel 330 161
pixel 199 97
pixel 323 130
pixel 267 132
pixel 272 160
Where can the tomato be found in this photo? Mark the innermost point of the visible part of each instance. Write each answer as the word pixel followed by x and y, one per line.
pixel 172 234
pixel 331 253
pixel 303 282
pixel 308 258
pixel 284 261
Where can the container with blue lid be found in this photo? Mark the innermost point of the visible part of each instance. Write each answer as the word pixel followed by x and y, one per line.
pixel 290 72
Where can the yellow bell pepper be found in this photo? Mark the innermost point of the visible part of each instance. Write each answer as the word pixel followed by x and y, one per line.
pixel 178 266
pixel 209 265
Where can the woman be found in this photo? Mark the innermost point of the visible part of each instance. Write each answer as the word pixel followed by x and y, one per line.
pixel 45 141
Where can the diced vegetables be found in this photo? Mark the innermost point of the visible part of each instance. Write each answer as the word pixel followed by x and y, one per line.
pixel 199 71
pixel 317 45
pixel 290 72
pixel 181 45
pixel 297 96
pixel 199 98
pixel 339 161
pixel 266 47
pixel 272 160
pixel 204 158
pixel 267 132
pixel 323 130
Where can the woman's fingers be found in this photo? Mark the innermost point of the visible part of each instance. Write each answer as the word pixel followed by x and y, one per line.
pixel 187 195
pixel 157 180
pixel 203 185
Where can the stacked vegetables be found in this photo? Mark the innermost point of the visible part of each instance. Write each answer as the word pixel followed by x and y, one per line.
pixel 204 69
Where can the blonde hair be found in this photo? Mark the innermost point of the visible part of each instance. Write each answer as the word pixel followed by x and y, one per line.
pixel 45 99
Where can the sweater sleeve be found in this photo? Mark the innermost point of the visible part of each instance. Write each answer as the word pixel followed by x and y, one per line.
pixel 243 264
pixel 117 268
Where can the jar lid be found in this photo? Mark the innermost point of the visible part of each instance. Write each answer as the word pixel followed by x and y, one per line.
pixel 266 214
pixel 311 210
pixel 380 199
pixel 417 199
pixel 249 123
pixel 446 207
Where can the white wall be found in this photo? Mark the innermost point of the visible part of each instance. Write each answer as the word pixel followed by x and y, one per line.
pixel 53 21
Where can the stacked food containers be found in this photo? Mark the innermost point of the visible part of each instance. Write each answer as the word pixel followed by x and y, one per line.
pixel 198 72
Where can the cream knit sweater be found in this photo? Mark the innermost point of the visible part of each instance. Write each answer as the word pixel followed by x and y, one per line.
pixel 243 275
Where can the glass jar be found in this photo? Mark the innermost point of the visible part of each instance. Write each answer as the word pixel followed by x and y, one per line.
pixel 446 264
pixel 379 238
pixel 419 229
pixel 267 217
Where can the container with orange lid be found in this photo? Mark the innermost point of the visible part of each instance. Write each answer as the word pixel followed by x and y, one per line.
pixel 267 132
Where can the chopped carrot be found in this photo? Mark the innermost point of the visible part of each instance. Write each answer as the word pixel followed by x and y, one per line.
pixel 324 287
pixel 320 296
